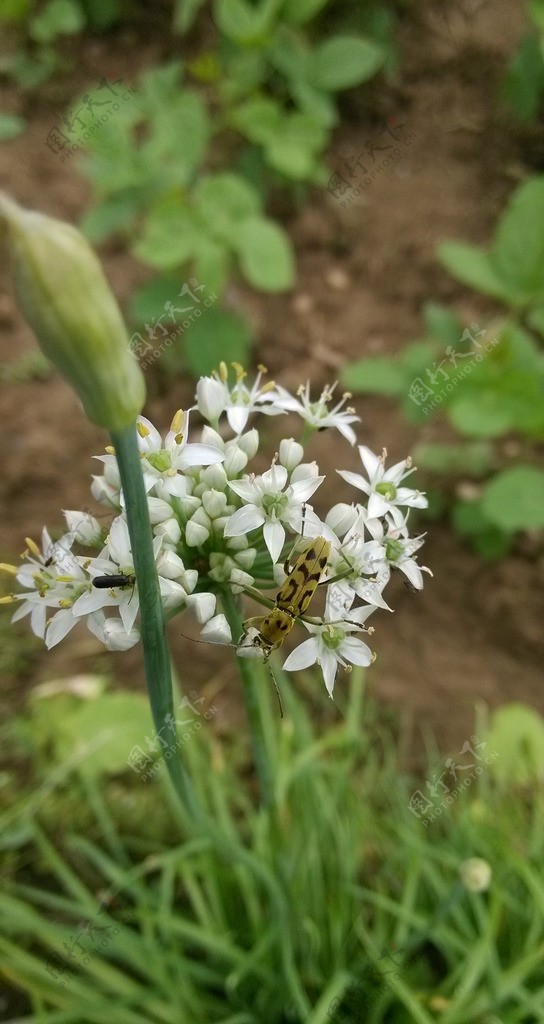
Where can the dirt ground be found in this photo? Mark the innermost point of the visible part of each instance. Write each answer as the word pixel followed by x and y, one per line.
pixel 365 269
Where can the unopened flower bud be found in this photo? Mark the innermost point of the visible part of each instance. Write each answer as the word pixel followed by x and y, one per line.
pixel 64 296
pixel 341 518
pixel 235 460
pixel 249 442
pixel 202 606
pixel 291 452
pixel 217 630
pixel 211 397
pixel 214 502
pixel 214 476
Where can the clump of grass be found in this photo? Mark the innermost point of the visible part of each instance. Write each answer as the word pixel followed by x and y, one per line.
pixel 335 904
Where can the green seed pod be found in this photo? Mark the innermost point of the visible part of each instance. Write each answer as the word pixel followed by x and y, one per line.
pixel 63 294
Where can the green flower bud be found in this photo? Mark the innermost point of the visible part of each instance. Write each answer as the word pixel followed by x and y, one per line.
pixel 63 294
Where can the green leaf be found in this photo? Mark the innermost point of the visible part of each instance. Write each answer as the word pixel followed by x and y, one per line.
pixel 170 236
pixel 375 375
pixel 114 214
pixel 224 202
pixel 298 12
pixel 517 257
pixel 474 459
pixel 265 254
pixel 535 319
pixel 479 413
pixel 216 336
pixel 11 126
pixel 469 520
pixel 148 301
pixel 185 13
pixel 524 82
pixel 13 10
pixel 211 265
pixel 243 22
pixel 516 733
pixel 343 62
pixel 58 17
pixel 473 267
pixel 442 323
pixel 514 499
pixel 100 732
pixel 259 119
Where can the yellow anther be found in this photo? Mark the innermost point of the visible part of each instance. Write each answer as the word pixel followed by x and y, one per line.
pixel 33 547
pixel 109 449
pixel 8 600
pixel 12 569
pixel 269 386
pixel 223 372
pixel 177 424
pixel 142 429
pixel 262 368
pixel 239 370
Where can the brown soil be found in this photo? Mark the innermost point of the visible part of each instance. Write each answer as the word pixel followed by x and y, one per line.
pixel 364 271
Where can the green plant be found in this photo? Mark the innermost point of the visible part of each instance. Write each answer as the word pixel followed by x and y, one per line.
pixel 489 382
pixel 343 902
pixel 523 87
pixel 261 102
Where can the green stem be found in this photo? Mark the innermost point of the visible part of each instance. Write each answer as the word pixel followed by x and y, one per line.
pixel 254 710
pixel 152 626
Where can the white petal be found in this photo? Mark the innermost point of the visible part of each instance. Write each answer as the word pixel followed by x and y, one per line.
pixel 198 455
pixel 378 505
pixel 238 416
pixel 243 521
pixel 303 656
pixel 355 479
pixel 328 664
pixel 274 538
pixel 372 463
pixel 245 489
pixel 60 625
pixel 356 651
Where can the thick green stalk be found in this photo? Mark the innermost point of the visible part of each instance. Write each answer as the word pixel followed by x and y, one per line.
pixel 254 712
pixel 152 625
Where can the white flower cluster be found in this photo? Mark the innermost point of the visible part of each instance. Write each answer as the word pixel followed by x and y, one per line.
pixel 217 525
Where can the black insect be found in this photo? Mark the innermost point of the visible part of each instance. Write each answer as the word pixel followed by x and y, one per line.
pixel 119 580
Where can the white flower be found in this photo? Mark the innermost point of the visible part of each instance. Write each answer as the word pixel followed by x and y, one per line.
pixel 475 874
pixel 241 400
pixel 267 504
pixel 396 552
pixel 317 414
pixel 112 633
pixel 331 645
pixel 382 486
pixel 166 462
pixel 83 527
